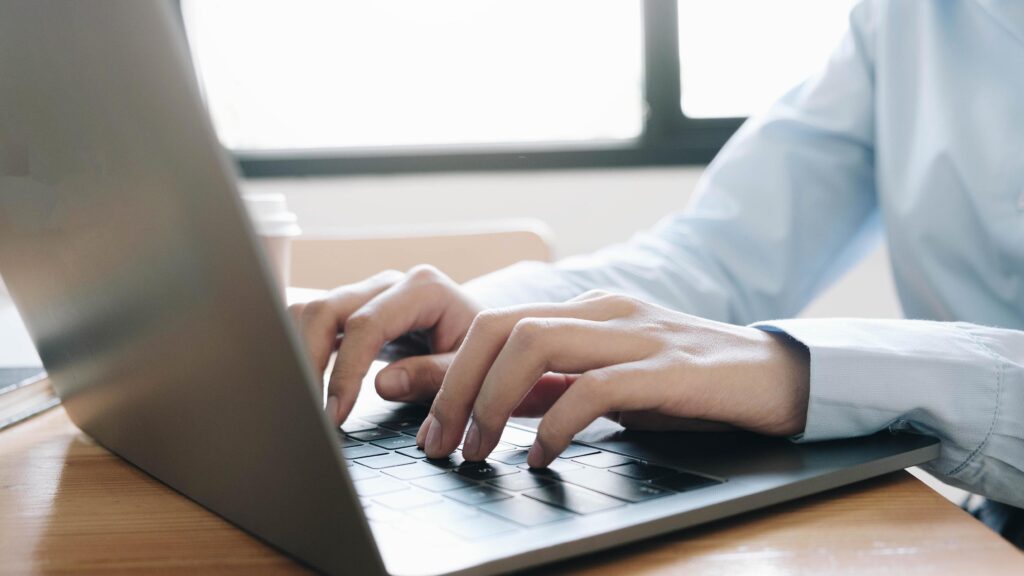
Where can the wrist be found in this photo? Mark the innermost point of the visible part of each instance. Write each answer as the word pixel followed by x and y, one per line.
pixel 791 368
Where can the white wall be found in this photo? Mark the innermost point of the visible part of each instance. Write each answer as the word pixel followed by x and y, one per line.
pixel 585 208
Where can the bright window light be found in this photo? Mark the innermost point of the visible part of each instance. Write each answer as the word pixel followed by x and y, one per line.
pixel 738 56
pixel 323 74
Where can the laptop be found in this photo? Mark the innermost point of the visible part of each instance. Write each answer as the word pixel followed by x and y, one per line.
pixel 126 249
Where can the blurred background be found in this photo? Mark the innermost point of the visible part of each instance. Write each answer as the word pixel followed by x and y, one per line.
pixel 595 117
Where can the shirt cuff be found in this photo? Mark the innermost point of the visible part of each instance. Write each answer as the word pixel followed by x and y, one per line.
pixel 869 375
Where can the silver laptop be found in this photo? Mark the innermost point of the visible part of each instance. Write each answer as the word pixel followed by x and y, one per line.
pixel 126 249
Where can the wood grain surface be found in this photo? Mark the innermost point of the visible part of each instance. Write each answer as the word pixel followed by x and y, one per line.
pixel 67 505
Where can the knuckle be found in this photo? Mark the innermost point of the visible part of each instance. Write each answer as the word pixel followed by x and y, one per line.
pixel 314 309
pixel 358 322
pixel 389 276
pixel 623 301
pixel 424 273
pixel 529 332
pixel 442 408
pixel 487 321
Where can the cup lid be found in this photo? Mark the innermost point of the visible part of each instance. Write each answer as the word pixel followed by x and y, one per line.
pixel 270 215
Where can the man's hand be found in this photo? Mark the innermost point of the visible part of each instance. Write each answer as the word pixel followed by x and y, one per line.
pixel 637 362
pixel 370 314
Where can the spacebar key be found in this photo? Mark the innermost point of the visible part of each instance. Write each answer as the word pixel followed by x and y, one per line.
pixel 612 484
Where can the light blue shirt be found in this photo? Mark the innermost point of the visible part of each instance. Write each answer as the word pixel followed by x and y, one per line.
pixel 914 130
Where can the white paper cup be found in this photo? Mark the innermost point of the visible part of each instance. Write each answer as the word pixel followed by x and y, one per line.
pixel 276 226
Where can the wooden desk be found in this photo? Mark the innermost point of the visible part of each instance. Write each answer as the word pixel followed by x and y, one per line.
pixel 67 504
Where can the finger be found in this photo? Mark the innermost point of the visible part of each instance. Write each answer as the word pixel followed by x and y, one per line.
pixel 535 347
pixel 413 379
pixel 415 303
pixel 319 321
pixel 484 340
pixel 625 387
pixel 548 389
pixel 593 295
pixel 295 313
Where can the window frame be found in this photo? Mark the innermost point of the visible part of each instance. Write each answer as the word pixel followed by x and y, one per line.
pixel 668 137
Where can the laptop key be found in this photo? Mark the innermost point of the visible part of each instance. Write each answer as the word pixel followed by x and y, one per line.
pixel 355 425
pixel 359 473
pixel 377 486
pixel 577 450
pixel 413 452
pixel 603 460
pixel 385 461
pixel 514 458
pixel 520 482
pixel 347 442
pixel 573 498
pixel 406 499
pixel 478 527
pixel 372 434
pixel 684 482
pixel 613 485
pixel 525 511
pixel 363 451
pixel 413 471
pixel 556 466
pixel 395 443
pixel 478 494
pixel 484 470
pixel 404 424
pixel 443 483
pixel 642 471
pixel 517 437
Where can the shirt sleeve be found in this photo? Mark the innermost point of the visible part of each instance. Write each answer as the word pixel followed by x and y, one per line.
pixel 786 207
pixel 960 382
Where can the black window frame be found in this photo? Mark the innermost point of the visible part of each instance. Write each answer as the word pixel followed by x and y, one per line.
pixel 668 137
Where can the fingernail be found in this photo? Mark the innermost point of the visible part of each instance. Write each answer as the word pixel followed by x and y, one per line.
pixel 472 444
pixel 331 410
pixel 394 383
pixel 433 444
pixel 535 458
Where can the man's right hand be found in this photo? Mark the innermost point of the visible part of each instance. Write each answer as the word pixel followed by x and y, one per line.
pixel 369 314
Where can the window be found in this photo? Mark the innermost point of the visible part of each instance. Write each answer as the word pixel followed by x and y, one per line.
pixel 326 74
pixel 319 86
pixel 738 56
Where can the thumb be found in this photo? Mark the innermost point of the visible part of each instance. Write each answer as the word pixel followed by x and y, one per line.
pixel 413 379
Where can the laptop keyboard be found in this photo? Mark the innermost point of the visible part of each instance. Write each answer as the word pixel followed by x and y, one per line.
pixel 473 500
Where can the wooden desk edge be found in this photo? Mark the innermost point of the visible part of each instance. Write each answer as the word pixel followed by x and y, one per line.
pixel 71 505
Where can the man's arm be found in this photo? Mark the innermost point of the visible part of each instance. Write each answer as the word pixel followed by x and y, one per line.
pixel 961 382
pixel 777 215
